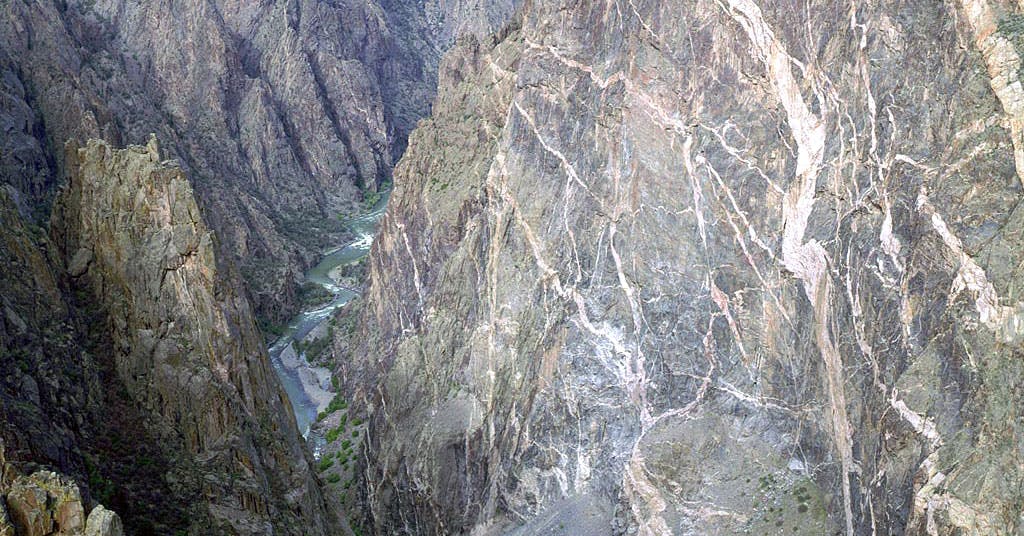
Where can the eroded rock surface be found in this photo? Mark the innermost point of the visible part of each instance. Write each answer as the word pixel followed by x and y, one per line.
pixel 45 503
pixel 705 268
pixel 183 343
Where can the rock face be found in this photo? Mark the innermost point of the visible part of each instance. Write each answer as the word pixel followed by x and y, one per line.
pixel 47 381
pixel 704 268
pixel 183 343
pixel 418 34
pixel 103 522
pixel 282 112
pixel 46 503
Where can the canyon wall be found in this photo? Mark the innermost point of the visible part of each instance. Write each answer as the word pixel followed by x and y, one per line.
pixel 131 365
pixel 283 113
pixel 689 267
pixel 178 339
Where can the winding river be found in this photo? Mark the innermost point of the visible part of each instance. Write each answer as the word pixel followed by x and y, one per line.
pixel 308 387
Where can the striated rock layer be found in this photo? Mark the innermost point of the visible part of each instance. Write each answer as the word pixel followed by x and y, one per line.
pixel 661 266
pixel 180 341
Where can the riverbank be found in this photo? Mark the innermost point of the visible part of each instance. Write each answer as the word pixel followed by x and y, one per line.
pixel 308 386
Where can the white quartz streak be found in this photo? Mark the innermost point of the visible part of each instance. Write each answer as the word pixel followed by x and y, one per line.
pixel 807 261
pixel 1003 64
pixel 1004 320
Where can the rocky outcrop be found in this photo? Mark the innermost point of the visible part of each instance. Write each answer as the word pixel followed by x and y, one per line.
pixel 46 503
pixel 182 342
pixel 266 106
pixel 705 268
pixel 103 522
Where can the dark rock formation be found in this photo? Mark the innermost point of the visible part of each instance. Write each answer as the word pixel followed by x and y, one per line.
pixel 706 268
pixel 182 341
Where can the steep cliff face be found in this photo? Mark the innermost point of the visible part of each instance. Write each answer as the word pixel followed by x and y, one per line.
pixel 180 341
pixel 706 268
pixel 50 391
pixel 419 33
pixel 282 112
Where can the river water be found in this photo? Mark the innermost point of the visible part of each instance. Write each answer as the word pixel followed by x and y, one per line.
pixel 309 387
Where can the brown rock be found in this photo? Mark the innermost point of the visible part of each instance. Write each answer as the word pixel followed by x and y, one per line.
pixel 46 503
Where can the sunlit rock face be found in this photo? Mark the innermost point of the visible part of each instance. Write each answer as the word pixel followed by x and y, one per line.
pixel 46 503
pixel 706 268
pixel 182 345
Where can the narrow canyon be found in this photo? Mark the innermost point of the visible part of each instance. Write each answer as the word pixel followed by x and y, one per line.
pixel 511 267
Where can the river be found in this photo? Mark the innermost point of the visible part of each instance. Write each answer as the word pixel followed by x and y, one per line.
pixel 309 387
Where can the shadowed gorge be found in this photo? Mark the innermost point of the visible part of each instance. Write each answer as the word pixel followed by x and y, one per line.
pixel 498 267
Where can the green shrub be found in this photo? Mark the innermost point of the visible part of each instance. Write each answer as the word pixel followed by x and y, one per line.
pixel 326 463
pixel 316 348
pixel 270 328
pixel 370 199
pixel 313 294
pixel 103 488
pixel 338 402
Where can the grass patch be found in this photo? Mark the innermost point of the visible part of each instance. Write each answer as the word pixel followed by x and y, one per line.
pixel 337 403
pixel 315 349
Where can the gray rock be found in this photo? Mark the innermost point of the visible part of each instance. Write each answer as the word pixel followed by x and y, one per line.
pixel 668 247
pixel 103 522
pixel 295 108
pixel 80 262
